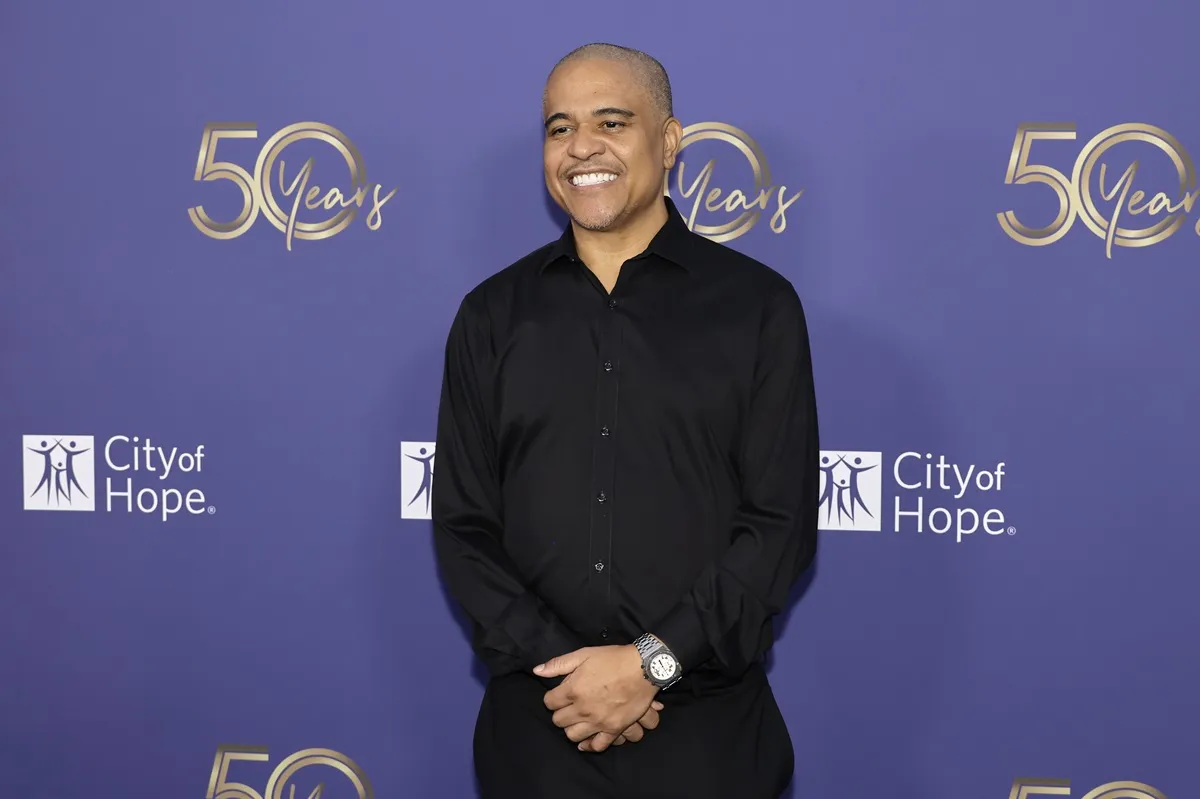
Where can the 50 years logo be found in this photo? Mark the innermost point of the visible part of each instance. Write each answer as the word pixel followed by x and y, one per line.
pixel 1025 787
pixel 1164 212
pixel 258 196
pixel 220 786
pixel 745 207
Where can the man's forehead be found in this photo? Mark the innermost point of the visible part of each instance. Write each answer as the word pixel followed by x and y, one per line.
pixel 594 83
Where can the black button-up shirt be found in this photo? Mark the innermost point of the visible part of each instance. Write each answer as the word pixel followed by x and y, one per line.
pixel 640 461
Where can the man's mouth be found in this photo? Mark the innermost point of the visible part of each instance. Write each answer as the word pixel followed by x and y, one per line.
pixel 592 179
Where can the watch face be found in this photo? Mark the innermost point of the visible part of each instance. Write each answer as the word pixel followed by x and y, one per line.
pixel 663 666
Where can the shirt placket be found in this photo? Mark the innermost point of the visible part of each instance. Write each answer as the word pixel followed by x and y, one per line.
pixel 604 466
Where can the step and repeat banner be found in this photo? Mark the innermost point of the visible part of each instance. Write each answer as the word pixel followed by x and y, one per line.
pixel 232 241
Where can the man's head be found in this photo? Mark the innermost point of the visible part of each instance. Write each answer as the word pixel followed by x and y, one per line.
pixel 610 132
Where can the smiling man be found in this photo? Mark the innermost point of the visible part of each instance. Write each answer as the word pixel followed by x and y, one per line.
pixel 627 474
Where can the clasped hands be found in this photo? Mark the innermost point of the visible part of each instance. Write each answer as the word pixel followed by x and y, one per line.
pixel 604 700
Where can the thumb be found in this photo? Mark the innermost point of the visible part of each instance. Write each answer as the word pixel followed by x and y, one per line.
pixel 563 664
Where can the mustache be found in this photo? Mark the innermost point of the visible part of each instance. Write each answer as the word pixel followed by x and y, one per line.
pixel 583 169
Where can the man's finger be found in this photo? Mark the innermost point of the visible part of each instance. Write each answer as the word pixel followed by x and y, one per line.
pixel 567 716
pixel 600 741
pixel 586 746
pixel 581 732
pixel 634 733
pixel 563 664
pixel 650 719
pixel 559 698
pixel 657 705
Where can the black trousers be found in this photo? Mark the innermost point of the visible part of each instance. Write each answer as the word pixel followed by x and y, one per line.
pixel 720 743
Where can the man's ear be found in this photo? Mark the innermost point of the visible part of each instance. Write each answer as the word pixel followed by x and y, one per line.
pixel 672 135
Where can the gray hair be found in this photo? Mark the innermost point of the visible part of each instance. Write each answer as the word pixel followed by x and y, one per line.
pixel 651 73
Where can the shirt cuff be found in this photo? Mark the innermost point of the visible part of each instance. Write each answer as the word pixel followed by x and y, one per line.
pixel 534 628
pixel 683 635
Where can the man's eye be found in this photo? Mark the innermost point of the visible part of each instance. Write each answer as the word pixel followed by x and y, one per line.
pixel 612 123
pixel 556 131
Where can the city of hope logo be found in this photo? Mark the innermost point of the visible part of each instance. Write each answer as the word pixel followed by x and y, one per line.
pixel 416 479
pixel 851 494
pixel 221 786
pixel 1163 212
pixel 736 211
pixel 60 474
pixel 1025 787
pixel 257 193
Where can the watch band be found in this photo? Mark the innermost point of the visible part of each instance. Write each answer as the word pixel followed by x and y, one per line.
pixel 647 643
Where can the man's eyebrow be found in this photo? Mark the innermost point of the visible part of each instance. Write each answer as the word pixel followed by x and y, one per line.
pixel 621 112
pixel 599 112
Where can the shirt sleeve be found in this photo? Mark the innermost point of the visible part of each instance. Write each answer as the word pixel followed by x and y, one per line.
pixel 514 630
pixel 724 620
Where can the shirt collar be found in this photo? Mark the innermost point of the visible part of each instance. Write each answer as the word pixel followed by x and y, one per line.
pixel 674 242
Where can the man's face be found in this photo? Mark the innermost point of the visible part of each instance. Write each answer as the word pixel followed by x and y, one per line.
pixel 606 144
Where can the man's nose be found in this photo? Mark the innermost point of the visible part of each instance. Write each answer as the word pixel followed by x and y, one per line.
pixel 585 144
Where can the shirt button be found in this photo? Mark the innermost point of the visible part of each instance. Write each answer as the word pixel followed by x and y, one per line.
pixel 608 366
pixel 601 497
pixel 604 633
pixel 599 567
pixel 612 303
pixel 604 431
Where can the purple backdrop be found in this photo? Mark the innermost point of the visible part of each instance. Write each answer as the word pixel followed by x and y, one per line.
pixel 281 624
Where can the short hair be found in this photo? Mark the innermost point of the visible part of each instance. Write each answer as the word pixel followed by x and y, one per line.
pixel 648 69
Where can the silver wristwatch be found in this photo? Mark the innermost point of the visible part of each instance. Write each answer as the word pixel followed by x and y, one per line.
pixel 659 664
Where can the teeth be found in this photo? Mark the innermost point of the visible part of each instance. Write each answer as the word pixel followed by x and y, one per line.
pixel 592 178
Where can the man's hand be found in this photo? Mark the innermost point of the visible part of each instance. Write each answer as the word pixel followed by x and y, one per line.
pixel 636 731
pixel 603 695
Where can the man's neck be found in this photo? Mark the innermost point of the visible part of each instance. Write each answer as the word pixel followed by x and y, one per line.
pixel 605 251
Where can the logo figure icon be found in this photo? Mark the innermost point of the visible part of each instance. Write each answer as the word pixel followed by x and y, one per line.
pixel 416 478
pixel 850 491
pixel 60 473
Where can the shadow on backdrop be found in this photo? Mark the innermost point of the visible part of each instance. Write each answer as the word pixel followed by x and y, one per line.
pixel 869 673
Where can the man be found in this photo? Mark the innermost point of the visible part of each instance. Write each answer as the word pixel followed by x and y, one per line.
pixel 627 474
